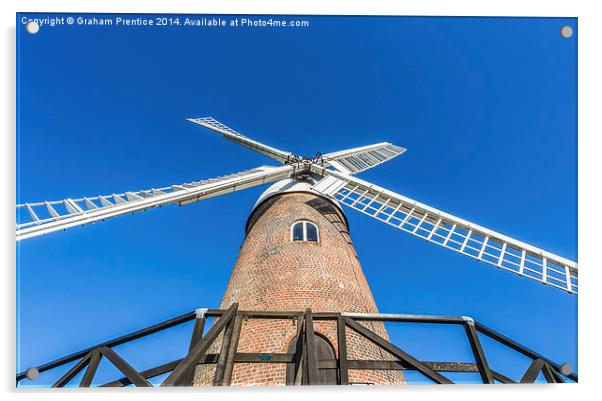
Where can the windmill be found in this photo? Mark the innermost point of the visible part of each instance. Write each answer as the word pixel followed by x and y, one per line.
pixel 298 253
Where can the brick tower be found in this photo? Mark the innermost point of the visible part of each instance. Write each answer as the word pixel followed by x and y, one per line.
pixel 298 254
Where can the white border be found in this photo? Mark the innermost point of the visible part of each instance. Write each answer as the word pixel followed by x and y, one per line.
pixel 590 67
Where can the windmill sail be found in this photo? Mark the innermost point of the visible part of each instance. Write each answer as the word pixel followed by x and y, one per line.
pixel 234 136
pixel 40 218
pixel 449 231
pixel 353 161
pixel 399 211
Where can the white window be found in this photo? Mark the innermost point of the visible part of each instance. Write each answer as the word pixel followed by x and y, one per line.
pixel 305 231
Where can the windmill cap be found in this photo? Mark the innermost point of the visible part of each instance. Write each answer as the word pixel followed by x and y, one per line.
pixel 294 185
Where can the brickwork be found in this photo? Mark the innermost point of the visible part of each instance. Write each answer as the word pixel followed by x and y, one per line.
pixel 274 273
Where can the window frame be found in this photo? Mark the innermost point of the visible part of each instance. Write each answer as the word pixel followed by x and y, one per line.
pixel 304 225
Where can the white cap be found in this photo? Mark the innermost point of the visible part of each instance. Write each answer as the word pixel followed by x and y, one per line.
pixel 292 185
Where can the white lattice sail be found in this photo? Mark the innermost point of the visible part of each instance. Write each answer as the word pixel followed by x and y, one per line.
pixel 337 181
pixel 40 218
pixel 353 161
pixel 449 231
pixel 234 136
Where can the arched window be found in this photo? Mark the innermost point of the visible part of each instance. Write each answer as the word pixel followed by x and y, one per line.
pixel 305 231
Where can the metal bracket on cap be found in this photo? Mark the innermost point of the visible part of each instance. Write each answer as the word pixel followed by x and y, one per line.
pixel 200 312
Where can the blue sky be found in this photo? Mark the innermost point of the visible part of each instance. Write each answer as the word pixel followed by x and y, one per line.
pixel 486 107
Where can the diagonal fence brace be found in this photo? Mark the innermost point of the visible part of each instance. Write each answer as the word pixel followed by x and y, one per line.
pixel 188 364
pixel 398 352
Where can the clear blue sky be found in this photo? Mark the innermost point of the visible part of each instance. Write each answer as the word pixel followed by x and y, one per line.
pixel 487 108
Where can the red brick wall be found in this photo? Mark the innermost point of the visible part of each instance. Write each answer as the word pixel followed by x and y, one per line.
pixel 273 273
